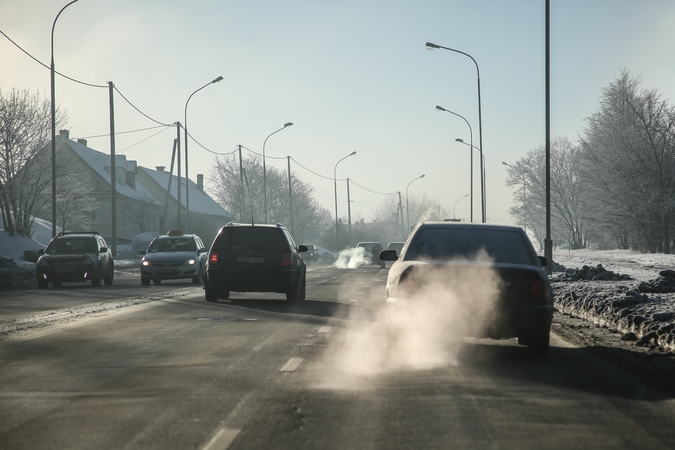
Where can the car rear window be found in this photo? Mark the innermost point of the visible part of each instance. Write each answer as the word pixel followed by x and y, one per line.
pixel 503 246
pixel 251 237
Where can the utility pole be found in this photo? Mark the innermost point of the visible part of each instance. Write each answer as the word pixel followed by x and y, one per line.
pixel 241 187
pixel 168 188
pixel 290 194
pixel 113 179
pixel 178 185
pixel 349 214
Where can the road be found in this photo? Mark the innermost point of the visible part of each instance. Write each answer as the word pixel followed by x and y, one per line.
pixel 252 372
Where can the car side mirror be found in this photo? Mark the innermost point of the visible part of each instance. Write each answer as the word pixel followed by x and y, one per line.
pixel 388 255
pixel 302 248
pixel 103 250
pixel 543 261
pixel 41 251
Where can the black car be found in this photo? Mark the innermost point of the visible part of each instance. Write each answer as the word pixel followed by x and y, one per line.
pixel 371 252
pixel 476 279
pixel 75 256
pixel 255 258
pixel 174 256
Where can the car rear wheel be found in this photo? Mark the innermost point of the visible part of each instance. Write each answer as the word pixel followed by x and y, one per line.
pixel 156 281
pixel 211 295
pixel 42 284
pixel 537 344
pixel 145 281
pixel 297 293
pixel 96 279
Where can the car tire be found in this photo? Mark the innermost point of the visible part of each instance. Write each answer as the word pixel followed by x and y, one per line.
pixel 42 284
pixel 96 279
pixel 109 279
pixel 211 295
pixel 538 344
pixel 145 281
pixel 56 283
pixel 156 281
pixel 292 295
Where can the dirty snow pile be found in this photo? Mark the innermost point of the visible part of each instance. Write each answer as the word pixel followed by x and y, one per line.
pixel 637 300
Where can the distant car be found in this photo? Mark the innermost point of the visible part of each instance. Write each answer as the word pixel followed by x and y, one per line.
pixel 73 257
pixel 372 252
pixel 398 246
pixel 467 259
pixel 255 258
pixel 312 253
pixel 173 256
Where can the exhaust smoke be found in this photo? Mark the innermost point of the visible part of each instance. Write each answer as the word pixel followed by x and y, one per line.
pixel 421 330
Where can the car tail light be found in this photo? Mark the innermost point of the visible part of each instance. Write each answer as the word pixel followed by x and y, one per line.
pixel 286 260
pixel 538 293
pixel 213 258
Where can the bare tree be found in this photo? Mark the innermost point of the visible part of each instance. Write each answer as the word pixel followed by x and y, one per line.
pixel 75 205
pixel 25 164
pixel 246 198
pixel 628 163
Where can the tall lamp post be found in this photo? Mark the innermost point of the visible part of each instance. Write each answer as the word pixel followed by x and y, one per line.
pixel 185 128
pixel 453 206
pixel 54 124
pixel 432 46
pixel 482 174
pixel 440 108
pixel 337 237
pixel 407 203
pixel 286 125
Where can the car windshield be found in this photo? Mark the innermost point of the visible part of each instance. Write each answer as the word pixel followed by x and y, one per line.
pixel 503 246
pixel 181 244
pixel 72 246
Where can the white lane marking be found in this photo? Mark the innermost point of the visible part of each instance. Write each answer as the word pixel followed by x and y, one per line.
pixel 223 439
pixel 292 364
pixel 325 329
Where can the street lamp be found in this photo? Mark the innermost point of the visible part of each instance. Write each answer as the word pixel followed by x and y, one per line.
pixel 432 46
pixel 54 125
pixel 407 203
pixel 440 108
pixel 286 125
pixel 337 238
pixel 187 180
pixel 482 174
pixel 453 206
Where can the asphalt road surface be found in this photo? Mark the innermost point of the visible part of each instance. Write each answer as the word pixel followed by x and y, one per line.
pixel 176 372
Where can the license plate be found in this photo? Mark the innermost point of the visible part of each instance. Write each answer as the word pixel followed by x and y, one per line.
pixel 64 270
pixel 168 270
pixel 250 259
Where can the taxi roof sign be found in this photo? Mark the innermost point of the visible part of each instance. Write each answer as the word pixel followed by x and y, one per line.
pixel 174 233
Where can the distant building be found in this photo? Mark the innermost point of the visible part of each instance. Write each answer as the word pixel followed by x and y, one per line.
pixel 144 203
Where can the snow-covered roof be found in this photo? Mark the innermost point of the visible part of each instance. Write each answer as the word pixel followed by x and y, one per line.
pixel 100 163
pixel 200 201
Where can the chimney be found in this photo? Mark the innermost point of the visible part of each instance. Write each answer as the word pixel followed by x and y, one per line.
pixel 65 134
pixel 82 141
pixel 160 169
pixel 200 182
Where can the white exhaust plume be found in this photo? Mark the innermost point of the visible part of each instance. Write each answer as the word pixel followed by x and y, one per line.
pixel 424 329
pixel 352 258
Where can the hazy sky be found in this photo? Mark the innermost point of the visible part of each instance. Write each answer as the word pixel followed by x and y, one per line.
pixel 350 75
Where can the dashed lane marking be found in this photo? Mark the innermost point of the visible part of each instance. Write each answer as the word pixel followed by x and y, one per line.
pixel 292 365
pixel 222 440
pixel 325 329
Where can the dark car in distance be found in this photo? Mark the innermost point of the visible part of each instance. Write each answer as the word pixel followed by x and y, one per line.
pixel 371 251
pixel 75 257
pixel 255 258
pixel 312 253
pixel 473 262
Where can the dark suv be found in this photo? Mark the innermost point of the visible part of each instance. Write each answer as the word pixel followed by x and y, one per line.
pixel 255 258
pixel 372 252
pixel 76 256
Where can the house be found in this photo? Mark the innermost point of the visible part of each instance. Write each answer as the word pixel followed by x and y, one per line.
pixel 144 200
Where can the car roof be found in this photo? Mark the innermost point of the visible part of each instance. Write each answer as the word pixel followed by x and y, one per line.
pixel 467 225
pixel 254 225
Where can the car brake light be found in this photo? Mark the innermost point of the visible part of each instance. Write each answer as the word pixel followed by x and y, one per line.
pixel 538 290
pixel 286 260
pixel 213 258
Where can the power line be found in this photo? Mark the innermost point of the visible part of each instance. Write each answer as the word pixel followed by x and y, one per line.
pixel 373 192
pixel 141 112
pixel 49 68
pixel 122 132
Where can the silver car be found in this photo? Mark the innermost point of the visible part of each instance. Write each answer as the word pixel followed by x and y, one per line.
pixel 174 256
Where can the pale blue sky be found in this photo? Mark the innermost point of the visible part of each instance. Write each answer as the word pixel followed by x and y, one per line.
pixel 350 75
